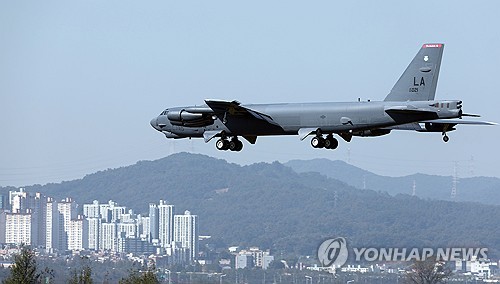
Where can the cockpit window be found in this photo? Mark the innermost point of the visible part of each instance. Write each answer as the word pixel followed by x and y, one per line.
pixel 164 112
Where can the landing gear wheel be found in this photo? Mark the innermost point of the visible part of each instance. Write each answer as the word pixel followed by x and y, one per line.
pixel 331 143
pixel 222 144
pixel 318 142
pixel 240 146
pixel 235 145
pixel 446 138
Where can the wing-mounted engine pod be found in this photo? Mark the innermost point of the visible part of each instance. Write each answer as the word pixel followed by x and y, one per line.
pixel 184 118
pixel 182 115
pixel 371 132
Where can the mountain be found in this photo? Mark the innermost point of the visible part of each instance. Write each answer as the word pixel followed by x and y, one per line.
pixel 272 206
pixel 476 189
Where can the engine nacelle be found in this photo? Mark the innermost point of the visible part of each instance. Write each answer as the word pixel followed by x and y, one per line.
pixel 438 127
pixel 188 119
pixel 372 132
pixel 182 115
pixel 169 134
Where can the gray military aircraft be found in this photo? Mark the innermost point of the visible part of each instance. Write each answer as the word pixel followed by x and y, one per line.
pixel 409 106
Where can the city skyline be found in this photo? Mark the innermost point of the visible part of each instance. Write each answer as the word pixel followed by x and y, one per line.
pixel 38 220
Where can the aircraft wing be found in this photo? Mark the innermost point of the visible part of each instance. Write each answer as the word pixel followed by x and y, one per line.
pixel 419 126
pixel 459 121
pixel 225 109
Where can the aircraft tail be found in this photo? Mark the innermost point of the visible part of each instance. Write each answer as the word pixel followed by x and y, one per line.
pixel 419 81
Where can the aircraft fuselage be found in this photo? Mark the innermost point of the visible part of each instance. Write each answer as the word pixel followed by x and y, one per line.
pixel 331 117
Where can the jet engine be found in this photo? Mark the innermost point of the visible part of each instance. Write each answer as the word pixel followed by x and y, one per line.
pixel 438 127
pixel 371 132
pixel 184 118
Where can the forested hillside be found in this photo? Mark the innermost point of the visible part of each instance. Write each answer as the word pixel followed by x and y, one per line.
pixel 476 189
pixel 272 206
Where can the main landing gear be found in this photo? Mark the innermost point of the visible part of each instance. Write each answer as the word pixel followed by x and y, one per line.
pixel 328 143
pixel 224 144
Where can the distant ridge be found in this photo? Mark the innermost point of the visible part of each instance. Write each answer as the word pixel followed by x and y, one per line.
pixel 476 189
pixel 272 206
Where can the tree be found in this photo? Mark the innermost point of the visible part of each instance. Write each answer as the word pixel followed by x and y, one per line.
pixel 25 269
pixel 84 275
pixel 428 271
pixel 138 277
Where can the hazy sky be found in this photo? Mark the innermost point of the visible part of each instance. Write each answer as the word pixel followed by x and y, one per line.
pixel 80 80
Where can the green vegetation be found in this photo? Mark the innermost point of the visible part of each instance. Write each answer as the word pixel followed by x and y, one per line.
pixel 82 275
pixel 428 271
pixel 146 275
pixel 25 269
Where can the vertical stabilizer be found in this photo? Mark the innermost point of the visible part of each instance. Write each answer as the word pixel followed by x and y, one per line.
pixel 419 81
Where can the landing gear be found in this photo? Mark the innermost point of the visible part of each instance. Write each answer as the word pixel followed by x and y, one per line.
pixel 234 145
pixel 328 143
pixel 222 144
pixel 318 142
pixel 446 127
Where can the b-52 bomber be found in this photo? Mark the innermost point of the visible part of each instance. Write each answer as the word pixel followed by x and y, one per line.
pixel 409 106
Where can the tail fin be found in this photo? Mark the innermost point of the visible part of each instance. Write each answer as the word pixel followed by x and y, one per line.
pixel 419 81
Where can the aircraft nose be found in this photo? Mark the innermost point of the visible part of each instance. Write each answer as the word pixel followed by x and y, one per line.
pixel 154 124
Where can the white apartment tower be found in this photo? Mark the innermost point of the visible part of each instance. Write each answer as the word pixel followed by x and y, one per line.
pixel 78 232
pixel 108 237
pixel 18 228
pixel 66 210
pixel 18 200
pixel 186 232
pixel 92 214
pixel 153 221
pixel 94 225
pixel 35 205
pixel 51 228
pixel 165 223
pixel 92 210
pixel 38 206
pixel 143 227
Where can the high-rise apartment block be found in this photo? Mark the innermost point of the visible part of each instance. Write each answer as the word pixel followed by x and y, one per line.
pixel 186 232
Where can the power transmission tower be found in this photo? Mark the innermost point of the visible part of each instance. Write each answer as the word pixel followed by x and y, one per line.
pixel 335 198
pixel 471 166
pixel 454 182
